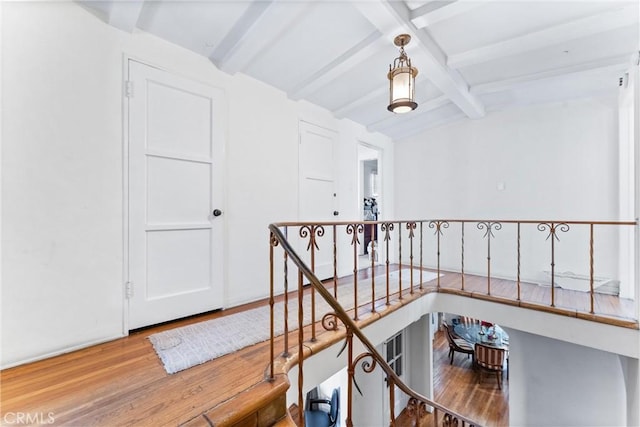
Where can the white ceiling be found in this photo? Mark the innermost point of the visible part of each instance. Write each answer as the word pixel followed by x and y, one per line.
pixel 473 56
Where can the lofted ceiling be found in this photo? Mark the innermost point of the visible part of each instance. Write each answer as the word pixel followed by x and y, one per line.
pixel 473 56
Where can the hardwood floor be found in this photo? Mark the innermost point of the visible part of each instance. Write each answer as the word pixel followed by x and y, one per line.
pixel 122 382
pixel 456 387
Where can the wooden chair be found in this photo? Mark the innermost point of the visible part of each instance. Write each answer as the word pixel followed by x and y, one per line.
pixel 466 320
pixel 456 343
pixel 489 359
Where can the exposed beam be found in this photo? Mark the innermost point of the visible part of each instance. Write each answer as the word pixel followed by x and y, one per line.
pixel 416 126
pixel 394 119
pixel 576 29
pixel 389 13
pixel 437 11
pixel 258 28
pixel 613 63
pixel 221 55
pixel 356 54
pixel 125 14
pixel 344 110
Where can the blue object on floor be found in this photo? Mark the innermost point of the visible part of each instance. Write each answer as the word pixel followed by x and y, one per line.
pixel 314 416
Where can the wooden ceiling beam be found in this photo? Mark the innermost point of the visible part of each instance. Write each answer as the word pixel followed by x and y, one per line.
pixel 395 119
pixel 366 48
pixel 614 63
pixel 125 14
pixel 437 11
pixel 579 28
pixel 344 110
pixel 258 29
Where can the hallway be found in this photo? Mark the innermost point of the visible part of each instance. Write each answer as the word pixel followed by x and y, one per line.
pixel 122 382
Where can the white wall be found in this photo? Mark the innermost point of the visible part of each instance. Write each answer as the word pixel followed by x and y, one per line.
pixel 554 162
pixel 62 174
pixel 631 372
pixel 368 407
pixel 420 348
pixel 554 383
pixel 62 180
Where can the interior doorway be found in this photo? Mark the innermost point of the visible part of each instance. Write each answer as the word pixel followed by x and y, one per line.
pixel 318 189
pixel 175 193
pixel 369 199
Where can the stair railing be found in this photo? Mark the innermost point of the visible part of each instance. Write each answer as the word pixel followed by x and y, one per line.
pixel 513 250
pixel 369 359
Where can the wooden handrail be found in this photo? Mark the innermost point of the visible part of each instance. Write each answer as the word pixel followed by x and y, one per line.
pixel 504 221
pixel 350 324
pixel 553 227
pixel 406 232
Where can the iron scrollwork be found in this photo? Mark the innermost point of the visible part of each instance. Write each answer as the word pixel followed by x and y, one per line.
pixel 411 226
pixel 330 322
pixel 489 226
pixel 273 240
pixel 438 226
pixel 355 229
pixel 312 231
pixel 368 366
pixel 450 421
pixel 387 227
pixel 416 409
pixel 553 227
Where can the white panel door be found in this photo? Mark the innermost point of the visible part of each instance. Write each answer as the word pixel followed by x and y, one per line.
pixel 175 185
pixel 318 189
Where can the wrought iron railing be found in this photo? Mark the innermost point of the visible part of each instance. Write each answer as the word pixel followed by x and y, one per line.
pixel 369 359
pixel 514 250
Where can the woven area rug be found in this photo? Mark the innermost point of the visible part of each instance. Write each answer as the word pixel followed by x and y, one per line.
pixel 191 345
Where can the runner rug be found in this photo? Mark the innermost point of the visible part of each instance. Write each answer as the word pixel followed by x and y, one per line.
pixel 191 345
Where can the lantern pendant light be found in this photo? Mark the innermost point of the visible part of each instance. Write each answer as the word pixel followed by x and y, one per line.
pixel 402 78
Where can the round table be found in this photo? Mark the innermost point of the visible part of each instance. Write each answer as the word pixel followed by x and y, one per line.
pixel 474 333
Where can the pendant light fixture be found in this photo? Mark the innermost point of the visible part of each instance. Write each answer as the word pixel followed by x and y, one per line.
pixel 402 79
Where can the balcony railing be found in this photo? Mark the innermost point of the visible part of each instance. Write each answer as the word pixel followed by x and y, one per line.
pixel 523 263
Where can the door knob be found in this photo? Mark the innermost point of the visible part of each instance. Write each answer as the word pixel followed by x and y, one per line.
pixel 336 213
pixel 217 212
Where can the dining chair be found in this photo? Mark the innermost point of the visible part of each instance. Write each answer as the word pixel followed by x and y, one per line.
pixel 489 359
pixel 456 343
pixel 466 320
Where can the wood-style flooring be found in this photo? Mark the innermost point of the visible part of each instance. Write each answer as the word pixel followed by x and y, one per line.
pixel 122 382
pixel 458 387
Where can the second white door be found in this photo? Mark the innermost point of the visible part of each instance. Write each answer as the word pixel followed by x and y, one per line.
pixel 318 188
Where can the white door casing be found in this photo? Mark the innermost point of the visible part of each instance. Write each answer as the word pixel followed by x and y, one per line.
pixel 627 146
pixel 396 353
pixel 175 182
pixel 366 152
pixel 318 189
